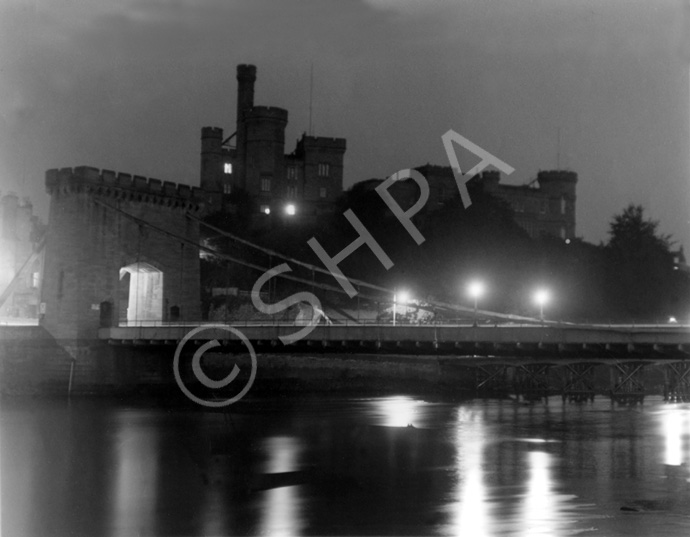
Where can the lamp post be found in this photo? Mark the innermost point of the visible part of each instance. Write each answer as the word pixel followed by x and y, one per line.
pixel 404 297
pixel 541 297
pixel 475 290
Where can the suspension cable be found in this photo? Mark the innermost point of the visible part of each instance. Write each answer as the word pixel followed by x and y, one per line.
pixel 227 257
pixel 268 251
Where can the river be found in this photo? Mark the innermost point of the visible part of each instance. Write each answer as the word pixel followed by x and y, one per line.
pixel 344 466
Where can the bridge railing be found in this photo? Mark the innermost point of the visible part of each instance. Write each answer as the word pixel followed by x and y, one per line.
pixel 368 322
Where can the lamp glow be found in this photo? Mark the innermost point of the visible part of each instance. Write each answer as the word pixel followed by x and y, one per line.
pixel 475 289
pixel 541 297
pixel 290 209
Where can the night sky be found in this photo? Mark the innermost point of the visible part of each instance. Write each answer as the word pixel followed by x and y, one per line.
pixel 128 85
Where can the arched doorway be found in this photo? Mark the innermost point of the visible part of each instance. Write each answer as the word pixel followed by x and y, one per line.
pixel 141 298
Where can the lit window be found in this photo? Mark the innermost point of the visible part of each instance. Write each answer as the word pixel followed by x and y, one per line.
pixel 291 172
pixel 265 184
pixel 227 189
pixel 324 169
pixel 322 192
pixel 265 209
pixel 290 209
pixel 227 167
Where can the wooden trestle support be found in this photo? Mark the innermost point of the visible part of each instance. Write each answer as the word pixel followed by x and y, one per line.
pixel 677 382
pixel 531 381
pixel 627 382
pixel 578 382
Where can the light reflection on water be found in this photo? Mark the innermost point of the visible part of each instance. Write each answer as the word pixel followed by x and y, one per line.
pixel 281 509
pixel 675 423
pixel 345 466
pixel 471 510
pixel 135 464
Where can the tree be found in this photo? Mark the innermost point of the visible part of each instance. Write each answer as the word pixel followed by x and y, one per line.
pixel 640 275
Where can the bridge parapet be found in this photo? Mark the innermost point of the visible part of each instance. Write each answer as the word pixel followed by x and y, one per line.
pixel 119 185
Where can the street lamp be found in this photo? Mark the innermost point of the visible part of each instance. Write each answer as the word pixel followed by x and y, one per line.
pixel 403 297
pixel 541 297
pixel 475 290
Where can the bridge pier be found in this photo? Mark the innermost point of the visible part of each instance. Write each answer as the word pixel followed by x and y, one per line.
pixel 677 382
pixel 627 382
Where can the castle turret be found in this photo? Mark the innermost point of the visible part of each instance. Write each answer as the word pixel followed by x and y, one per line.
pixel 558 182
pixel 246 76
pixel 211 159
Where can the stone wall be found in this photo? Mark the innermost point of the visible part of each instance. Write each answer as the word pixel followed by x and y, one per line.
pixel 91 237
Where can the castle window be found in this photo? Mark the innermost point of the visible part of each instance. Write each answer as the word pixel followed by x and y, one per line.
pixel 322 192
pixel 562 232
pixel 543 207
pixel 562 204
pixel 265 184
pixel 324 169
pixel 227 188
pixel 291 192
pixel 227 167
pixel 292 172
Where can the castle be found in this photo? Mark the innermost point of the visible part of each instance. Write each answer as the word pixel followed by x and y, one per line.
pixel 304 183
pixel 308 181
pixel 543 207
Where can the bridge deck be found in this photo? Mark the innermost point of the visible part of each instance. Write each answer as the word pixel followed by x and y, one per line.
pixel 643 341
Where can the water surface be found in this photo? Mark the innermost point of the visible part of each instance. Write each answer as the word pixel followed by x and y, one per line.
pixel 344 466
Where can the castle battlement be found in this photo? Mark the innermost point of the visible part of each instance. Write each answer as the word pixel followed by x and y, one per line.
pixel 557 175
pixel 267 112
pixel 211 132
pixel 120 185
pixel 324 142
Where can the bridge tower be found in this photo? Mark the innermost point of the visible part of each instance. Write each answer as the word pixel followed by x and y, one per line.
pixel 119 250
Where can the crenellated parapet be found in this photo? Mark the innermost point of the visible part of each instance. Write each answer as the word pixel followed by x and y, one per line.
pixel 557 175
pixel 267 113
pixel 123 186
pixel 324 142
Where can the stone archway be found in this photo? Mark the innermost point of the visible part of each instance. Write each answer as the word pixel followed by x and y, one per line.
pixel 144 293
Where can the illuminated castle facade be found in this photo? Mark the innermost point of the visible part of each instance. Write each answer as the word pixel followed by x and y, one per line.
pixel 306 182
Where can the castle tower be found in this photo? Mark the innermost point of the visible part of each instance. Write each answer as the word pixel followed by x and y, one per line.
pixel 102 257
pixel 246 76
pixel 264 171
pixel 558 190
pixel 323 169
pixel 211 159
pixel 309 179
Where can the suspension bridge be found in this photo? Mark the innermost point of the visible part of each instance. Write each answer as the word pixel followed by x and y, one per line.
pixel 122 270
